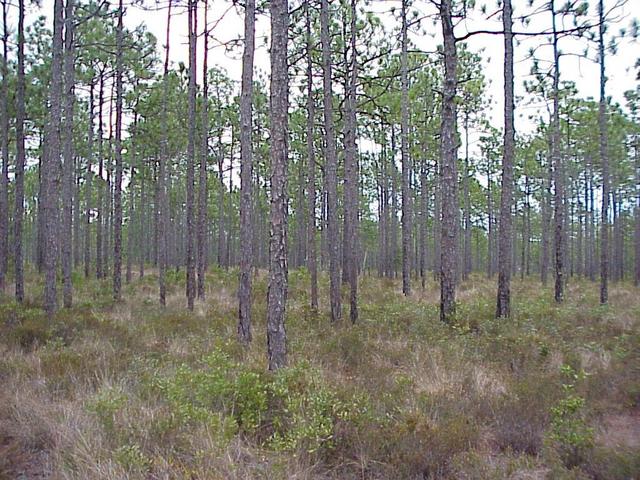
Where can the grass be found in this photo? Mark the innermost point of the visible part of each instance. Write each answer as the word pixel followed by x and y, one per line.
pixel 129 390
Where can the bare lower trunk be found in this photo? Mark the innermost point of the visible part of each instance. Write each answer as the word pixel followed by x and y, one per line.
pixel 311 166
pixel 406 166
pixel 351 178
pixel 277 291
pixel 558 172
pixel 503 308
pixel 67 176
pixel 604 159
pixel 117 194
pixel 162 209
pixel 4 145
pixel 449 174
pixel 331 167
pixel 202 185
pixel 20 159
pixel 246 177
pixel 51 166
pixel 191 154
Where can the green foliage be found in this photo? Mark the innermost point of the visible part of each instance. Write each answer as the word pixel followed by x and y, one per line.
pixel 570 434
pixel 294 406
pixel 105 405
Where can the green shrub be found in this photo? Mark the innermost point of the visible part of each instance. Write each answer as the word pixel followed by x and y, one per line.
pixel 570 434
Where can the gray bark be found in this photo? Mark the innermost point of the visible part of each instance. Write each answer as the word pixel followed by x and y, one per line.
pixel 277 290
pixel 449 174
pixel 51 165
pixel 246 176
pixel 331 167
pixel 503 308
pixel 20 160
pixel 67 175
pixel 406 165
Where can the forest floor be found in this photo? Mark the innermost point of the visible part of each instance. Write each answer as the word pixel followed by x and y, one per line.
pixel 128 390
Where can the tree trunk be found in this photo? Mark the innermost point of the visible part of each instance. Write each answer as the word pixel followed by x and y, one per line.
pixel 162 208
pixel 503 308
pixel 246 176
pixel 117 194
pixel 191 154
pixel 51 165
pixel 20 160
pixel 100 186
pixel 351 188
pixel 406 165
pixel 88 182
pixel 311 166
pixel 4 145
pixel 67 176
pixel 466 270
pixel 277 290
pixel 558 171
pixel 204 154
pixel 331 166
pixel 604 159
pixel 449 174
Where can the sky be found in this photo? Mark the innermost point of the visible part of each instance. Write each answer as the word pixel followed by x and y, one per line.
pixel 229 26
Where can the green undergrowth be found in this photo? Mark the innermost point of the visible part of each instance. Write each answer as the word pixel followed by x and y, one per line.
pixel 167 393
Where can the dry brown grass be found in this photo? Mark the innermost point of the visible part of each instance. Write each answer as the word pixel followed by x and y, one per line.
pixel 469 401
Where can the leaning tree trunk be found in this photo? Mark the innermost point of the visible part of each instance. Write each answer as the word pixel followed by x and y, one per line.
pixel 20 160
pixel 449 174
pixel 51 165
pixel 503 308
pixel 331 166
pixel 67 174
pixel 406 166
pixel 277 292
pixel 246 176
pixel 604 159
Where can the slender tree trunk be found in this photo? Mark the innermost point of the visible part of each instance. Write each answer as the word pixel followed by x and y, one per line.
pixel 4 145
pixel 331 167
pixel 88 182
pixel 67 177
pixel 191 154
pixel 558 171
pixel 131 236
pixel 604 159
pixel 20 160
pixel 503 308
pixel 351 187
pixel 51 165
pixel 117 195
pixel 636 277
pixel 311 166
pixel 449 174
pixel 100 186
pixel 163 210
pixel 467 203
pixel 246 176
pixel 406 162
pixel 277 292
pixel 202 187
